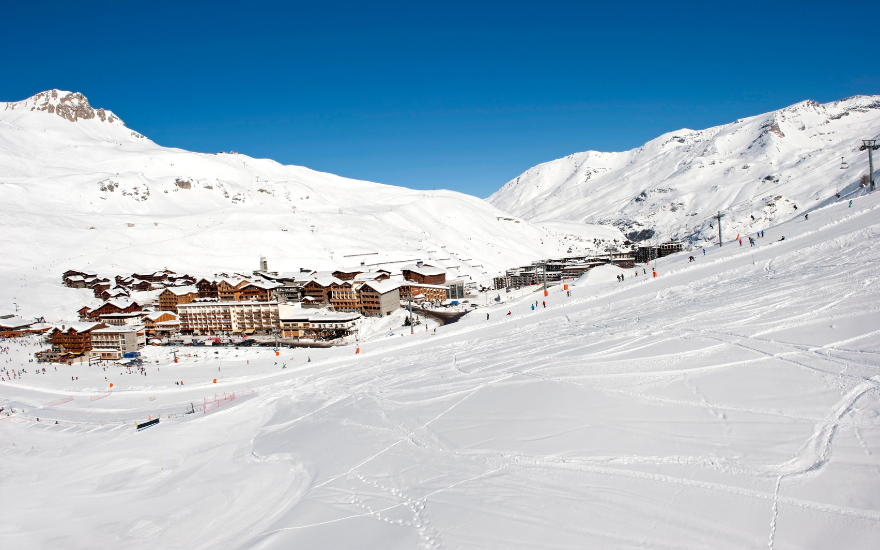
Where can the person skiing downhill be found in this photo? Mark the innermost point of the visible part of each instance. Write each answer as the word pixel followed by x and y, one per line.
pixel 850 204
pixel 533 307
pixel 545 304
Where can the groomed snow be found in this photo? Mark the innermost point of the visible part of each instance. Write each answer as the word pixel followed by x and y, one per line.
pixel 728 403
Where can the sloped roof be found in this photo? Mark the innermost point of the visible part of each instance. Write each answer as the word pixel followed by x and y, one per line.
pixel 326 281
pixel 14 322
pixel 382 287
pixel 155 315
pixel 424 270
pixel 183 290
pixel 265 285
pixel 79 327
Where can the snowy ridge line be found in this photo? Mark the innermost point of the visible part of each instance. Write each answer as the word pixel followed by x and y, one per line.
pixel 664 184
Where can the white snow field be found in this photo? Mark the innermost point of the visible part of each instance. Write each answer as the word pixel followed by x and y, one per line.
pixel 79 190
pixel 732 402
pixel 759 166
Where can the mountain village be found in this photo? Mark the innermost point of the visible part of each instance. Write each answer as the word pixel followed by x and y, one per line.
pixel 305 308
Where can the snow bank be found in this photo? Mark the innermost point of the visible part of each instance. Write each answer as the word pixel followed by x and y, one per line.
pixel 600 275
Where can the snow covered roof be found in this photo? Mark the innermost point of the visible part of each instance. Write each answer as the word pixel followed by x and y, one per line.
pixel 370 275
pixel 265 285
pixel 79 327
pixel 382 287
pixel 183 290
pixel 119 329
pixel 118 302
pixel 326 281
pixel 12 323
pixel 120 315
pixel 425 270
pixel 333 317
pixel 156 315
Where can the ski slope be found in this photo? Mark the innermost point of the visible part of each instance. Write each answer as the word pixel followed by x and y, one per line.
pixel 732 402
pixel 756 170
pixel 80 190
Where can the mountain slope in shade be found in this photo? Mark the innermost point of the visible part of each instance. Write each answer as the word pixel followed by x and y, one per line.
pixel 760 167
pixel 78 189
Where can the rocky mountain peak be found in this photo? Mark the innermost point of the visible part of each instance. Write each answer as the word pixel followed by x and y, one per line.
pixel 72 106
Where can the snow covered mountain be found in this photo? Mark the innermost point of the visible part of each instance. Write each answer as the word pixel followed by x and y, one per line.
pixel 760 167
pixel 730 403
pixel 79 189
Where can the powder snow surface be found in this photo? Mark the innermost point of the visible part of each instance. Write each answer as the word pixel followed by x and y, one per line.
pixel 733 402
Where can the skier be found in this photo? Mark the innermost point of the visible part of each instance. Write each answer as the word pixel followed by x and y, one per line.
pixel 487 316
pixel 704 252
pixel 533 307
pixel 795 207
pixel 545 304
pixel 850 204
pixel 509 313
pixel 783 238
pixel 740 242
pixel 806 216
pixel 310 360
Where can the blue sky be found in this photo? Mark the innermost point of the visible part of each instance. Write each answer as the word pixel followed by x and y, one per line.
pixel 452 95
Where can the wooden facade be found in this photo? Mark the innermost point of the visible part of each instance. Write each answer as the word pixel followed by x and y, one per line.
pixel 426 274
pixel 173 297
pixel 317 291
pixel 73 339
pixel 111 307
pixel 257 292
pixel 431 293
pixel 207 289
pixel 343 297
pixel 230 290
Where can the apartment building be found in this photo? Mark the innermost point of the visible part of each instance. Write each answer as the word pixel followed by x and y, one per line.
pixel 114 342
pixel 229 317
